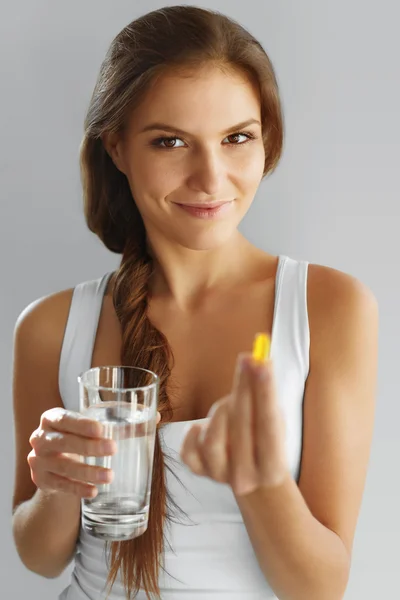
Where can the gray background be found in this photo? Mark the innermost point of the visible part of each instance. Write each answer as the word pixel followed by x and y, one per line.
pixel 334 199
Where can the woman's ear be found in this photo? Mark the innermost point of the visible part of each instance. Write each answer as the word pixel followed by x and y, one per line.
pixel 113 146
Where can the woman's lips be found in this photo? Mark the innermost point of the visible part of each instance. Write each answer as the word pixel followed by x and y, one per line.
pixel 204 211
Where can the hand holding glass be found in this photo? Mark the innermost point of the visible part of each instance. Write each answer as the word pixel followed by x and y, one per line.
pixel 124 400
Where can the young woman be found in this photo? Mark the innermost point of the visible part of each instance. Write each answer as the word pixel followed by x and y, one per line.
pixel 270 462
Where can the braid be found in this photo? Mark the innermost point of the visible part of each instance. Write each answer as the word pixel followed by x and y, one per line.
pixel 145 347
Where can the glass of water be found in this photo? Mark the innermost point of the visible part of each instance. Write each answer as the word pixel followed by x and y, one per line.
pixel 124 400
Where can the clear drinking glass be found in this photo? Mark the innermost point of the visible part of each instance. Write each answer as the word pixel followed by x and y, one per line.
pixel 125 400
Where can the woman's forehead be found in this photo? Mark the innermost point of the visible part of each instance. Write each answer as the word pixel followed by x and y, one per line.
pixel 184 102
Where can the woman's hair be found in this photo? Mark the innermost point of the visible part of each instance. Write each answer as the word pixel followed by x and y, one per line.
pixel 180 39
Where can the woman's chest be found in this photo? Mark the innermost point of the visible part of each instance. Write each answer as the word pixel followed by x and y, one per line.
pixel 204 347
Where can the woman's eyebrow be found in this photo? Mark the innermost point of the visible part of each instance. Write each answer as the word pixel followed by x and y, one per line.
pixel 166 127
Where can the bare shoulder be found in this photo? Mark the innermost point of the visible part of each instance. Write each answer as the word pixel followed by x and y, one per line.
pixel 326 281
pixel 38 338
pixel 43 321
pixel 337 302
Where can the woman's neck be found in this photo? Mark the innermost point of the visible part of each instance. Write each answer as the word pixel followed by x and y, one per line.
pixel 185 276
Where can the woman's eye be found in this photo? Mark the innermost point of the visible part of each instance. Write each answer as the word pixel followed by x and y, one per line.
pixel 169 143
pixel 237 135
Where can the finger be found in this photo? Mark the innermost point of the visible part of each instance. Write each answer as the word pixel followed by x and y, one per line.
pixel 189 450
pixel 70 468
pixel 269 421
pixel 53 442
pixel 241 425
pixel 68 421
pixel 53 482
pixel 213 443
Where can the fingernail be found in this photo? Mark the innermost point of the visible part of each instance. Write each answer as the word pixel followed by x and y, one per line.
pixel 262 370
pixel 244 362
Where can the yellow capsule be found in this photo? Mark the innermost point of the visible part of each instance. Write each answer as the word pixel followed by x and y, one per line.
pixel 261 347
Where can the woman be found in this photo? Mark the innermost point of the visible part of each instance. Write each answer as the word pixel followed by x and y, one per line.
pixel 183 125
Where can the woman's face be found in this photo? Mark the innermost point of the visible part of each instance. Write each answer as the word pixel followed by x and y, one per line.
pixel 194 188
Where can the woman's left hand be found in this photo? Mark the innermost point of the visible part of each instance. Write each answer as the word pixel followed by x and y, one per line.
pixel 242 442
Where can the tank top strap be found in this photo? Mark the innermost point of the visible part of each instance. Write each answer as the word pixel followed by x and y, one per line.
pixel 79 337
pixel 290 331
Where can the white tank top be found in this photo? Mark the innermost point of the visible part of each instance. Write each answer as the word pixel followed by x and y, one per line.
pixel 208 554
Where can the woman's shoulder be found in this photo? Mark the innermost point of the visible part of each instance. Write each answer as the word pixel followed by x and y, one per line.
pixel 52 308
pixel 42 322
pixel 45 318
pixel 335 300
pixel 329 287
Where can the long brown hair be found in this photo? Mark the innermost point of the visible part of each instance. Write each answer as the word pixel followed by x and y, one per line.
pixel 179 38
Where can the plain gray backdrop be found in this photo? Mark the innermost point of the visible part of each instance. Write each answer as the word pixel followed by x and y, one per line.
pixel 333 200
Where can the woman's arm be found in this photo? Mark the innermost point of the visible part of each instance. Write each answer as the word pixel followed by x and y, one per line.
pixel 303 536
pixel 45 525
pixel 45 530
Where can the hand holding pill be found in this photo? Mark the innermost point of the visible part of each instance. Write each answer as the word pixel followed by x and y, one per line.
pixel 242 442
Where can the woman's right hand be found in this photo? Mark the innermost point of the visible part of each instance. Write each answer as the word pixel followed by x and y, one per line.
pixel 58 445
